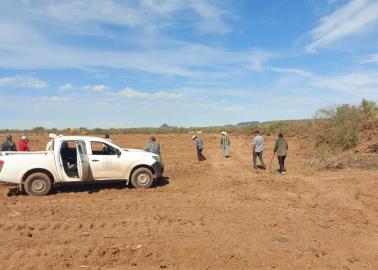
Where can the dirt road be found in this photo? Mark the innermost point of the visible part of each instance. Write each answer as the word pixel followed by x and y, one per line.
pixel 219 214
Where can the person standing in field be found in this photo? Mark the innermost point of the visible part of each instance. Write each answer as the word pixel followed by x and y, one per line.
pixel 225 143
pixel 281 148
pixel 153 146
pixel 23 144
pixel 199 146
pixel 257 150
pixel 107 137
pixel 49 146
pixel 9 145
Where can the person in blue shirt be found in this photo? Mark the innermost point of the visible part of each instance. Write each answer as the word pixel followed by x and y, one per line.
pixel 199 146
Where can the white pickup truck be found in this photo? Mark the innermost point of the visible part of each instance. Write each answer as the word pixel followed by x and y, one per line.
pixel 79 159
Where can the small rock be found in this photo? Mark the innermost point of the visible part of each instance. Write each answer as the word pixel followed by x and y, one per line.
pixel 137 247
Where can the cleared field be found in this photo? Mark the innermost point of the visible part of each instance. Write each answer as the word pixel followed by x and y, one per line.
pixel 219 214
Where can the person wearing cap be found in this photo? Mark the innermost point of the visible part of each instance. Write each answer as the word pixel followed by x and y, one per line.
pixel 257 150
pixel 281 148
pixel 199 146
pixel 9 145
pixel 49 146
pixel 23 144
pixel 153 146
pixel 225 144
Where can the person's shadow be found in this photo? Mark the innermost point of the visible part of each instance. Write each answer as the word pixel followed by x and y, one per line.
pixel 89 187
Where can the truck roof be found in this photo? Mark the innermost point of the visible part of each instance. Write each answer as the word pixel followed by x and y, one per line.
pixel 73 138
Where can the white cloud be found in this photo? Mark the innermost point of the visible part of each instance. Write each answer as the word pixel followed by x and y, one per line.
pixel 291 71
pixel 145 14
pixel 161 95
pixel 23 82
pixel 355 17
pixel 81 11
pixel 56 98
pixel 234 108
pixel 259 58
pixel 66 87
pixel 361 84
pixel 96 88
pixel 25 48
pixel 373 58
pixel 356 83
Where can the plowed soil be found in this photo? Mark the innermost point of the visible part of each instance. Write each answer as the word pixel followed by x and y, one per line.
pixel 217 214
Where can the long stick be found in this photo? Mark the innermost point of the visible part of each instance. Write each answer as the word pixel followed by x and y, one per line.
pixel 270 164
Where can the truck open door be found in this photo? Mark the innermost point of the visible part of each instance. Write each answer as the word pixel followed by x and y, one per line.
pixel 82 161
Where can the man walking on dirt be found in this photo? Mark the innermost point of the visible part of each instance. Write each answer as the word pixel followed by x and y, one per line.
pixel 8 145
pixel 281 148
pixel 257 150
pixel 199 145
pixel 153 146
pixel 225 144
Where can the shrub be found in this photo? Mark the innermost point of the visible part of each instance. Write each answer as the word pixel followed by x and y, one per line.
pixel 338 128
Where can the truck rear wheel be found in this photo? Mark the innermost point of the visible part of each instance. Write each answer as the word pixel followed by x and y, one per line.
pixel 37 184
pixel 142 178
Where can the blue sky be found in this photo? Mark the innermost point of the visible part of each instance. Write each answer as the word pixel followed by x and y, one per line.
pixel 95 63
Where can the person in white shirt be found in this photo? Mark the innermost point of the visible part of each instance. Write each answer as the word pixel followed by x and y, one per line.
pixel 49 146
pixel 257 150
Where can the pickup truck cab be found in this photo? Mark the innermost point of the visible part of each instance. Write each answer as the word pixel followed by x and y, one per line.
pixel 79 159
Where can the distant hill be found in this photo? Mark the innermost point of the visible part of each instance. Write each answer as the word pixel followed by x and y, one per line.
pixel 287 121
pixel 248 123
pixel 165 126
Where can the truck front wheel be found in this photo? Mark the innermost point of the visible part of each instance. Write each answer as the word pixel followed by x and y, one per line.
pixel 142 178
pixel 37 184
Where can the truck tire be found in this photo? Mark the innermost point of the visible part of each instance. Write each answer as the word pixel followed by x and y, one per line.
pixel 37 184
pixel 142 178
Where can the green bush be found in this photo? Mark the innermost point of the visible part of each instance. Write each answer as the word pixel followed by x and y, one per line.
pixel 338 128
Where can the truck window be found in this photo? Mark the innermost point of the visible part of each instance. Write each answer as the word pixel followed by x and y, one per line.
pixel 100 148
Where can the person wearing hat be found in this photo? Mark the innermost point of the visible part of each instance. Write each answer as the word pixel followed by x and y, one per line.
pixel 8 145
pixel 23 144
pixel 49 146
pixel 199 146
pixel 225 144
pixel 153 146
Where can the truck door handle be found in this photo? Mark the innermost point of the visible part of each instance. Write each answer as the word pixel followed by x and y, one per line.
pixel 95 160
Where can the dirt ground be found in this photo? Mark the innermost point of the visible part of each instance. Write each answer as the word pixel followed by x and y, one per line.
pixel 219 214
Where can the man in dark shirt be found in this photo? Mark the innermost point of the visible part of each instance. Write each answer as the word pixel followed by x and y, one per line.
pixel 9 145
pixel 281 148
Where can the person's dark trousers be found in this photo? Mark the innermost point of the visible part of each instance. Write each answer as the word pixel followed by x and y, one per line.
pixel 281 161
pixel 260 155
pixel 200 156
